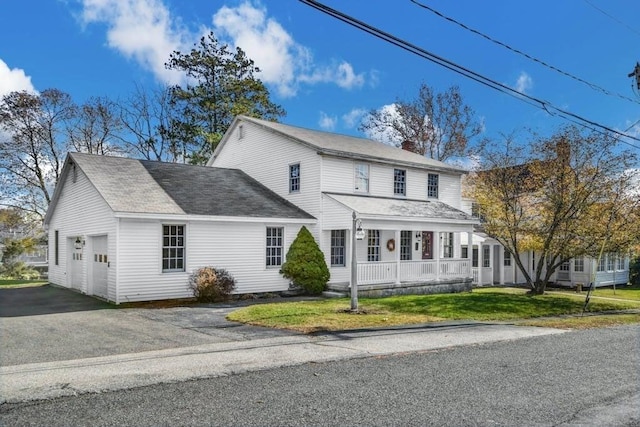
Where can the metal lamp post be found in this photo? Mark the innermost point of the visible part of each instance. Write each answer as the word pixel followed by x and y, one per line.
pixel 357 233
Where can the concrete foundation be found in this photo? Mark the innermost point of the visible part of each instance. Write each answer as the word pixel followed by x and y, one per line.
pixel 408 288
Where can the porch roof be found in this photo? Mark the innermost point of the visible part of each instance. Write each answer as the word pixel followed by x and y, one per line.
pixel 401 208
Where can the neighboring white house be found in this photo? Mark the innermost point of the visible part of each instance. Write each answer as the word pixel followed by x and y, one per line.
pixel 132 230
pixel 407 204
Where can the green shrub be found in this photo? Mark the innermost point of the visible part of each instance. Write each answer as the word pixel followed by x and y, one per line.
pixel 305 265
pixel 18 270
pixel 211 284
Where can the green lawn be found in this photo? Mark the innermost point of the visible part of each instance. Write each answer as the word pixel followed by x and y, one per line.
pixel 621 292
pixel 490 304
pixel 10 283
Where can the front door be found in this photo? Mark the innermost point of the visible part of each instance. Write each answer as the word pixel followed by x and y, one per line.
pixel 427 245
pixel 100 264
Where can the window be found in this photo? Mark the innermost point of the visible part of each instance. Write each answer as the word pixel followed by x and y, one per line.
pixel 405 245
pixel 337 248
pixel 362 177
pixel 486 256
pixel 578 264
pixel 274 246
pixel 610 262
pixel 400 182
pixel 447 248
pixel 56 247
pixel 474 259
pixel 464 252
pixel 620 264
pixel 294 178
pixel 507 258
pixel 432 186
pixel 601 262
pixel 373 245
pixel 172 248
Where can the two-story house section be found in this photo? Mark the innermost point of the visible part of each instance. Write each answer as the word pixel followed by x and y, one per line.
pixel 407 205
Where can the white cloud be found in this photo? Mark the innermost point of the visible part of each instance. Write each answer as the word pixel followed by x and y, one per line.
pixel 353 117
pixel 524 83
pixel 327 122
pixel 142 30
pixel 14 79
pixel 341 74
pixel 387 135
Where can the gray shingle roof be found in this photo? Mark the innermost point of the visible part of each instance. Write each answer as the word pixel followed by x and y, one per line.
pixel 392 207
pixel 350 146
pixel 148 187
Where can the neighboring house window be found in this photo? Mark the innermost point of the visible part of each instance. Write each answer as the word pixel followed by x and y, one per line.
pixel 610 262
pixel 337 248
pixel 274 246
pixel 447 248
pixel 400 182
pixel 507 258
pixel 620 260
pixel 432 186
pixel 405 245
pixel 601 264
pixel 475 210
pixel 486 256
pixel 474 257
pixel 373 245
pixel 294 178
pixel 362 177
pixel 464 252
pixel 172 248
pixel 56 247
pixel 578 264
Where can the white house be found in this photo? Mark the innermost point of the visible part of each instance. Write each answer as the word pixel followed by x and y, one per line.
pixel 133 230
pixel 408 205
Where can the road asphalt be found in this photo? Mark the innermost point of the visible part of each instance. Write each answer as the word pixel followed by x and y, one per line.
pixel 60 343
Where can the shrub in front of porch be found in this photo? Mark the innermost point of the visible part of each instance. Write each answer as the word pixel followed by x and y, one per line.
pixel 305 265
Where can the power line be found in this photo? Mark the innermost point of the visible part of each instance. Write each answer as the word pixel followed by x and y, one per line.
pixel 612 17
pixel 526 55
pixel 544 105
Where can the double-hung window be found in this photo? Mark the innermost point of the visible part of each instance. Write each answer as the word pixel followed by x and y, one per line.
pixel 399 182
pixel 361 177
pixel 507 258
pixel 294 178
pixel 486 256
pixel 447 245
pixel 432 186
pixel 578 264
pixel 173 245
pixel 338 248
pixel 274 246
pixel 405 245
pixel 373 245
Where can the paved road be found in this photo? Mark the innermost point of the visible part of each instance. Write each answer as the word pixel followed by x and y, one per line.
pixel 577 378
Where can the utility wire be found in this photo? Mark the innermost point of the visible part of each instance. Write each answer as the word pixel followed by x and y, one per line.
pixel 544 105
pixel 526 55
pixel 612 17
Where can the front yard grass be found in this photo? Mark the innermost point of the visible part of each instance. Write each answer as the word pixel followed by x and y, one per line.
pixel 621 292
pixel 16 283
pixel 486 304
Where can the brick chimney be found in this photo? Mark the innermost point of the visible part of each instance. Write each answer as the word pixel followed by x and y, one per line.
pixel 408 146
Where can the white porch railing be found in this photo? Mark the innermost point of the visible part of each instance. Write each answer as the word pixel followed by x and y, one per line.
pixel 412 271
pixel 487 276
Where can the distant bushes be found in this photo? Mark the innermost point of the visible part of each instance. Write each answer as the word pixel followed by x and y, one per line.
pixel 211 284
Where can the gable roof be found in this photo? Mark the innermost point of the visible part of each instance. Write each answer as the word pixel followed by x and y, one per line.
pixel 148 187
pixel 343 146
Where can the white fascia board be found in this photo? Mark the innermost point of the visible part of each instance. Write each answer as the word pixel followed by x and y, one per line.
pixel 418 219
pixel 245 219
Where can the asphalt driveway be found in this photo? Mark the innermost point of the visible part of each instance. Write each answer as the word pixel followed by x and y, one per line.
pixel 46 323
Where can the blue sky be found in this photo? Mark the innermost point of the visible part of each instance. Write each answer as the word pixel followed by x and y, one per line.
pixel 327 74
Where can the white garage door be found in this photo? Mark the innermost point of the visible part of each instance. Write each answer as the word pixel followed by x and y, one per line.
pixel 100 263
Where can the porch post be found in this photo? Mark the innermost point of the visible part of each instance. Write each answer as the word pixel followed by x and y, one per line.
pixel 492 263
pixel 501 263
pixel 354 266
pixel 397 249
pixel 480 263
pixel 470 251
pixel 437 248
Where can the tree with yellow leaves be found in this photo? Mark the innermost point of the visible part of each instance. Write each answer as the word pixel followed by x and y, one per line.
pixel 565 196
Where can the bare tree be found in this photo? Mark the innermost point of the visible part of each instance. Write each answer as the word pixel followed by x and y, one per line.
pixel 95 126
pixel 438 125
pixel 32 147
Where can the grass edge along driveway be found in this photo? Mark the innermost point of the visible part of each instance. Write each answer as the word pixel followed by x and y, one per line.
pixel 482 304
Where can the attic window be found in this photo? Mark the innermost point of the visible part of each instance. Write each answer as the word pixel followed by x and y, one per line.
pixel 74 173
pixel 240 131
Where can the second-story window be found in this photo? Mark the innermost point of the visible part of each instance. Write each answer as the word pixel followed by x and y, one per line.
pixel 362 177
pixel 399 182
pixel 294 178
pixel 432 186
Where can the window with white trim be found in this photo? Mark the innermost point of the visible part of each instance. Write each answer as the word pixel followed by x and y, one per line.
pixel 447 245
pixel 400 182
pixel 432 185
pixel 620 263
pixel 274 246
pixel 507 258
pixel 405 245
pixel 338 240
pixel 486 256
pixel 610 262
pixel 362 177
pixel 578 264
pixel 601 264
pixel 464 252
pixel 294 178
pixel 173 248
pixel 373 245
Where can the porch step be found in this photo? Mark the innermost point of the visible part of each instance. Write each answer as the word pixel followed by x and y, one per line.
pixel 334 294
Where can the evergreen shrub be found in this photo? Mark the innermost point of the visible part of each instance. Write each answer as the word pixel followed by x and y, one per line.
pixel 305 265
